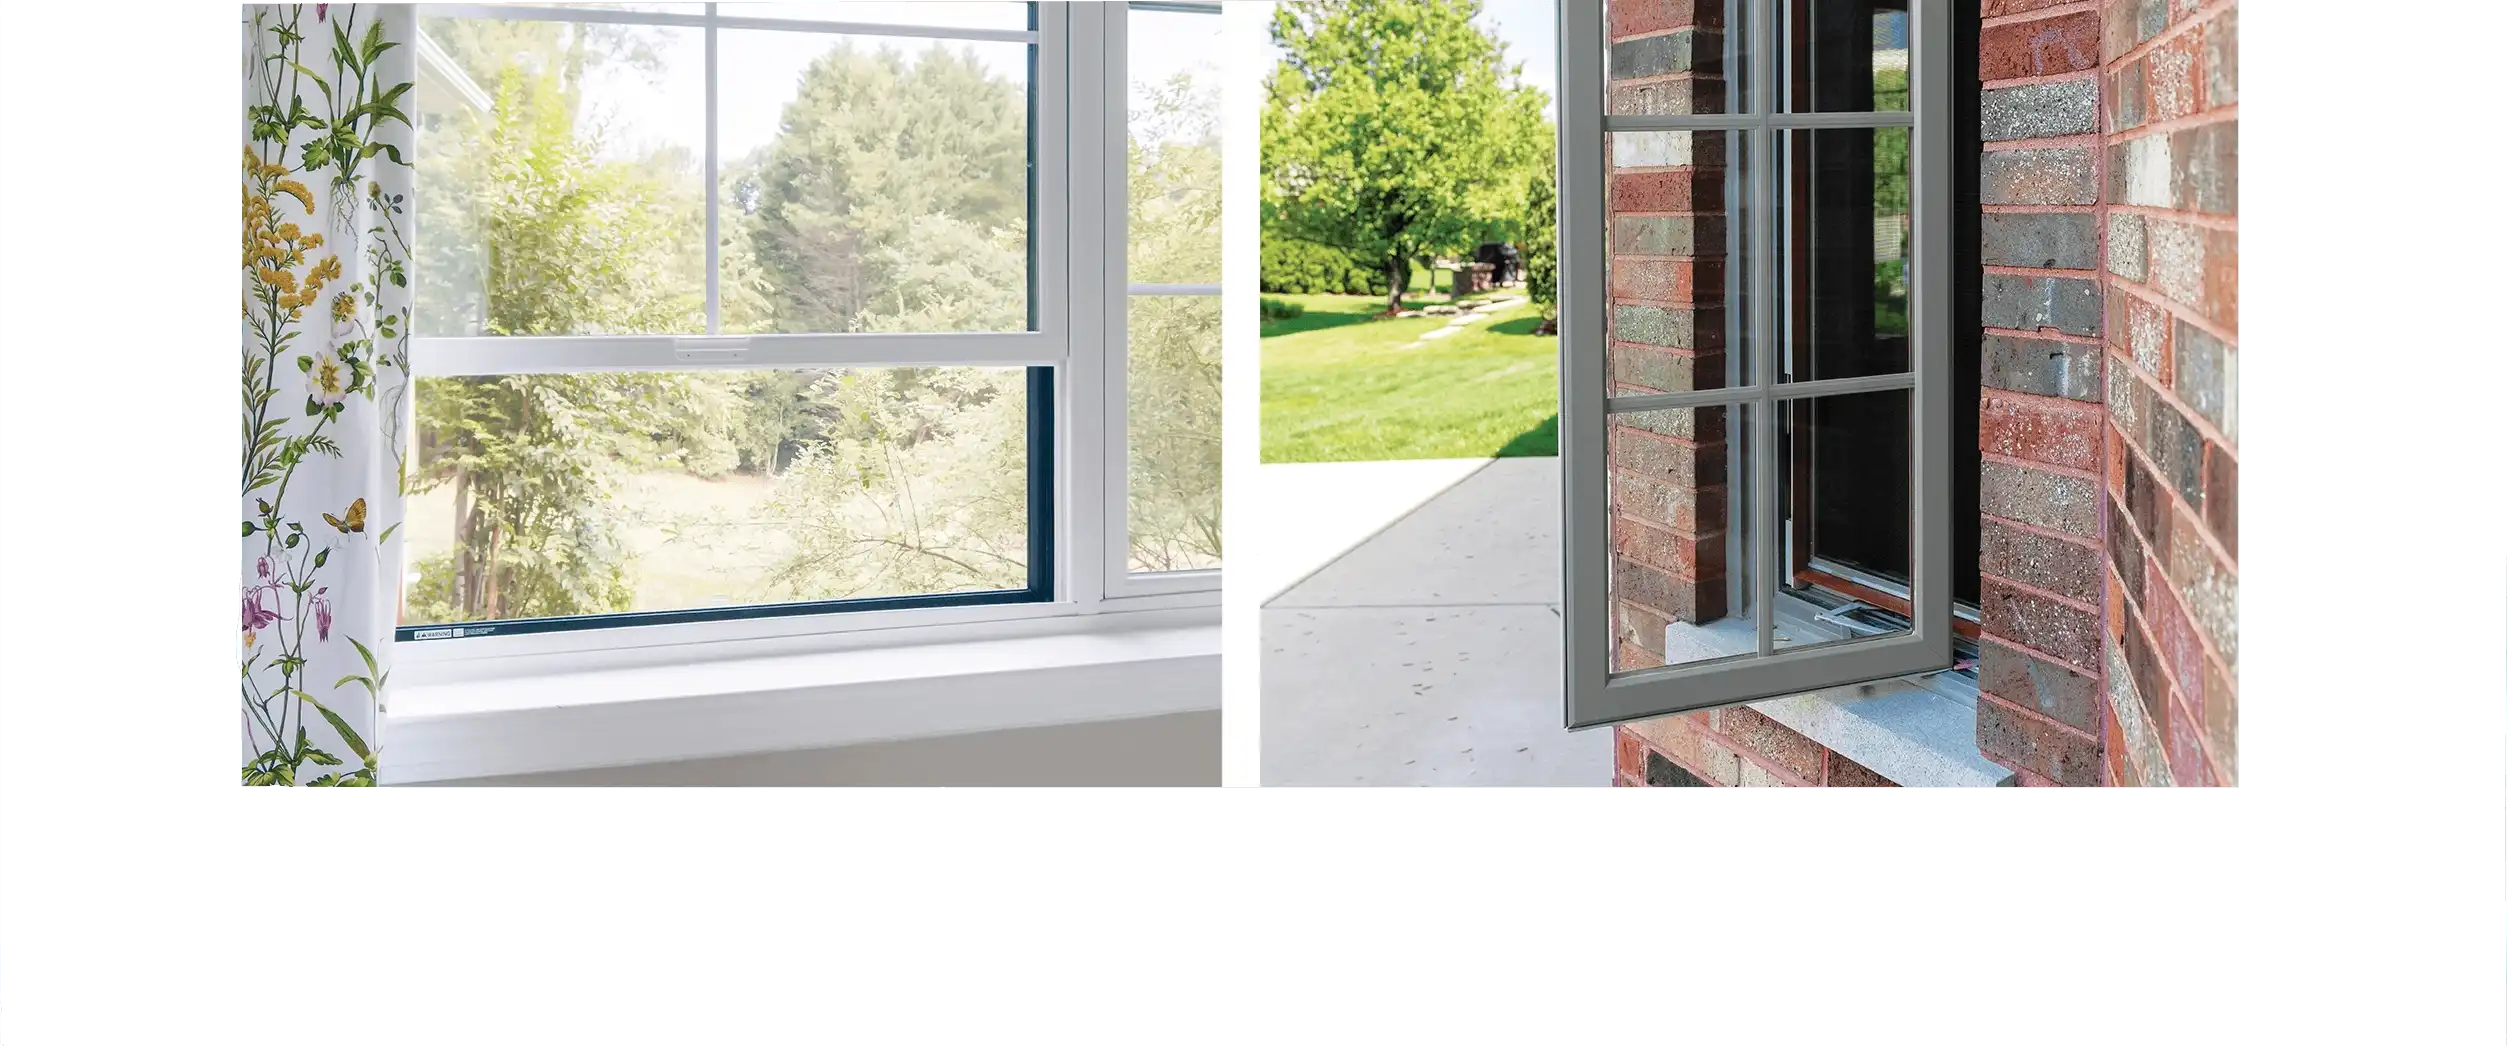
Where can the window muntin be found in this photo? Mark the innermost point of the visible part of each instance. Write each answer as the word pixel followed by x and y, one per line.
pixel 1803 347
pixel 612 105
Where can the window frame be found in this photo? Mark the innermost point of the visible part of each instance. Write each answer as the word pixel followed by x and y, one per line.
pixel 1593 695
pixel 1119 579
pixel 1070 349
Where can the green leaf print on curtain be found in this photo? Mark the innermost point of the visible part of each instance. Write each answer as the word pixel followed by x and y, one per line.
pixel 327 228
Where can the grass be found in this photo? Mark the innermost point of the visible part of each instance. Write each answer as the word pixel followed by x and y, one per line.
pixel 670 573
pixel 1341 384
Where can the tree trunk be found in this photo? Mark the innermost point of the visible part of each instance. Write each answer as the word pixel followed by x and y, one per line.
pixel 465 560
pixel 1398 278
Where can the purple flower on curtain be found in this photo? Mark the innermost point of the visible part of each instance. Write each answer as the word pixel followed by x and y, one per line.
pixel 320 10
pixel 261 567
pixel 257 616
pixel 322 613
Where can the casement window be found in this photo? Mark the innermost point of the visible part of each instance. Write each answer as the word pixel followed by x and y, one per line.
pixel 765 319
pixel 1757 371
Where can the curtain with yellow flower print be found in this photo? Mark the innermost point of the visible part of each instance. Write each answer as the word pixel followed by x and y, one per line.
pixel 325 383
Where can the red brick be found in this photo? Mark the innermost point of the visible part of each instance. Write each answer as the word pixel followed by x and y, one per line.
pixel 2174 88
pixel 1628 657
pixel 2119 770
pixel 1772 742
pixel 2039 47
pixel 2115 460
pixel 2065 568
pixel 1846 773
pixel 2038 428
pixel 2060 630
pixel 2149 681
pixel 1667 280
pixel 2178 645
pixel 2116 608
pixel 2000 8
pixel 2186 762
pixel 1683 599
pixel 1676 508
pixel 2219 497
pixel 1668 192
pixel 1681 555
pixel 1666 459
pixel 2219 717
pixel 1631 751
pixel 2219 277
pixel 1639 17
pixel 2026 742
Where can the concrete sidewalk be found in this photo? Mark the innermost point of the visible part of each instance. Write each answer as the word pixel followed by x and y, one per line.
pixel 1429 654
pixel 1310 513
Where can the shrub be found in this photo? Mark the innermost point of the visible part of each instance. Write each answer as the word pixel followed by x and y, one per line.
pixel 1298 267
pixel 1275 309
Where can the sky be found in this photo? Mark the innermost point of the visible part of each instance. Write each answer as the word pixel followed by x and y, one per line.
pixel 1528 28
pixel 760 68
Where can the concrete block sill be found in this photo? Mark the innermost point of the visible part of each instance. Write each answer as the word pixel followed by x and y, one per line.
pixel 667 713
pixel 1914 735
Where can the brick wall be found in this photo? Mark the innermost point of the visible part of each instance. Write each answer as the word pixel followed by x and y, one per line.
pixel 2169 650
pixel 2041 416
pixel 2107 417
pixel 1666 326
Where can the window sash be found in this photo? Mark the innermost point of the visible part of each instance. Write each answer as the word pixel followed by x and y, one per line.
pixel 1061 432
pixel 1117 577
pixel 1593 694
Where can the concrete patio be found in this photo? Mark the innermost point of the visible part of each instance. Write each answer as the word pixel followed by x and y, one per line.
pixel 1429 653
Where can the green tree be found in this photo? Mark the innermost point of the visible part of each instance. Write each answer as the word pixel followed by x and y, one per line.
pixel 1393 129
pixel 895 198
pixel 1173 369
pixel 533 231
pixel 1540 247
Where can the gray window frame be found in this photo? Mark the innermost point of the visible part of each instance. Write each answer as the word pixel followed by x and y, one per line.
pixel 1593 695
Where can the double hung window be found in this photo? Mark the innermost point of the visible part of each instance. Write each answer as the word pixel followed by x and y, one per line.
pixel 804 315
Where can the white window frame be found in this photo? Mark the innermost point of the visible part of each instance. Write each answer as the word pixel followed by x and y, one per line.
pixel 1593 695
pixel 1074 333
pixel 1114 28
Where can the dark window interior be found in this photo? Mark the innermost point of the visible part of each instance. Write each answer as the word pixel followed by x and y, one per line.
pixel 1850 497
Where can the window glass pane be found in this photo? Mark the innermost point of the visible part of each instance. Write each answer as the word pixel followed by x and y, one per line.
pixel 1173 152
pixel 1850 504
pixel 566 494
pixel 925 13
pixel 1172 236
pixel 1669 59
pixel 560 179
pixel 872 183
pixel 1680 568
pixel 648 8
pixel 1172 421
pixel 1847 305
pixel 1676 261
pixel 1848 56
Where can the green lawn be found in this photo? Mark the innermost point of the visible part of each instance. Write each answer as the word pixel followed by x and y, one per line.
pixel 1339 385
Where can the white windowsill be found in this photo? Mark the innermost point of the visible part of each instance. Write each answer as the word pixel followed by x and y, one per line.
pixel 699 709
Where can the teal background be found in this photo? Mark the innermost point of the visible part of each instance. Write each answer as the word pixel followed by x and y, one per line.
pixel 2342 896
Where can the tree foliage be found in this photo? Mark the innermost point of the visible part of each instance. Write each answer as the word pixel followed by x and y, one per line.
pixel 1394 129
pixel 1173 342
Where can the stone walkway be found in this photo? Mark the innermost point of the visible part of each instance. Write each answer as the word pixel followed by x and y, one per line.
pixel 1428 654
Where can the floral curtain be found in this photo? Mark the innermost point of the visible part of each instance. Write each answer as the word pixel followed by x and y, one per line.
pixel 325 382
